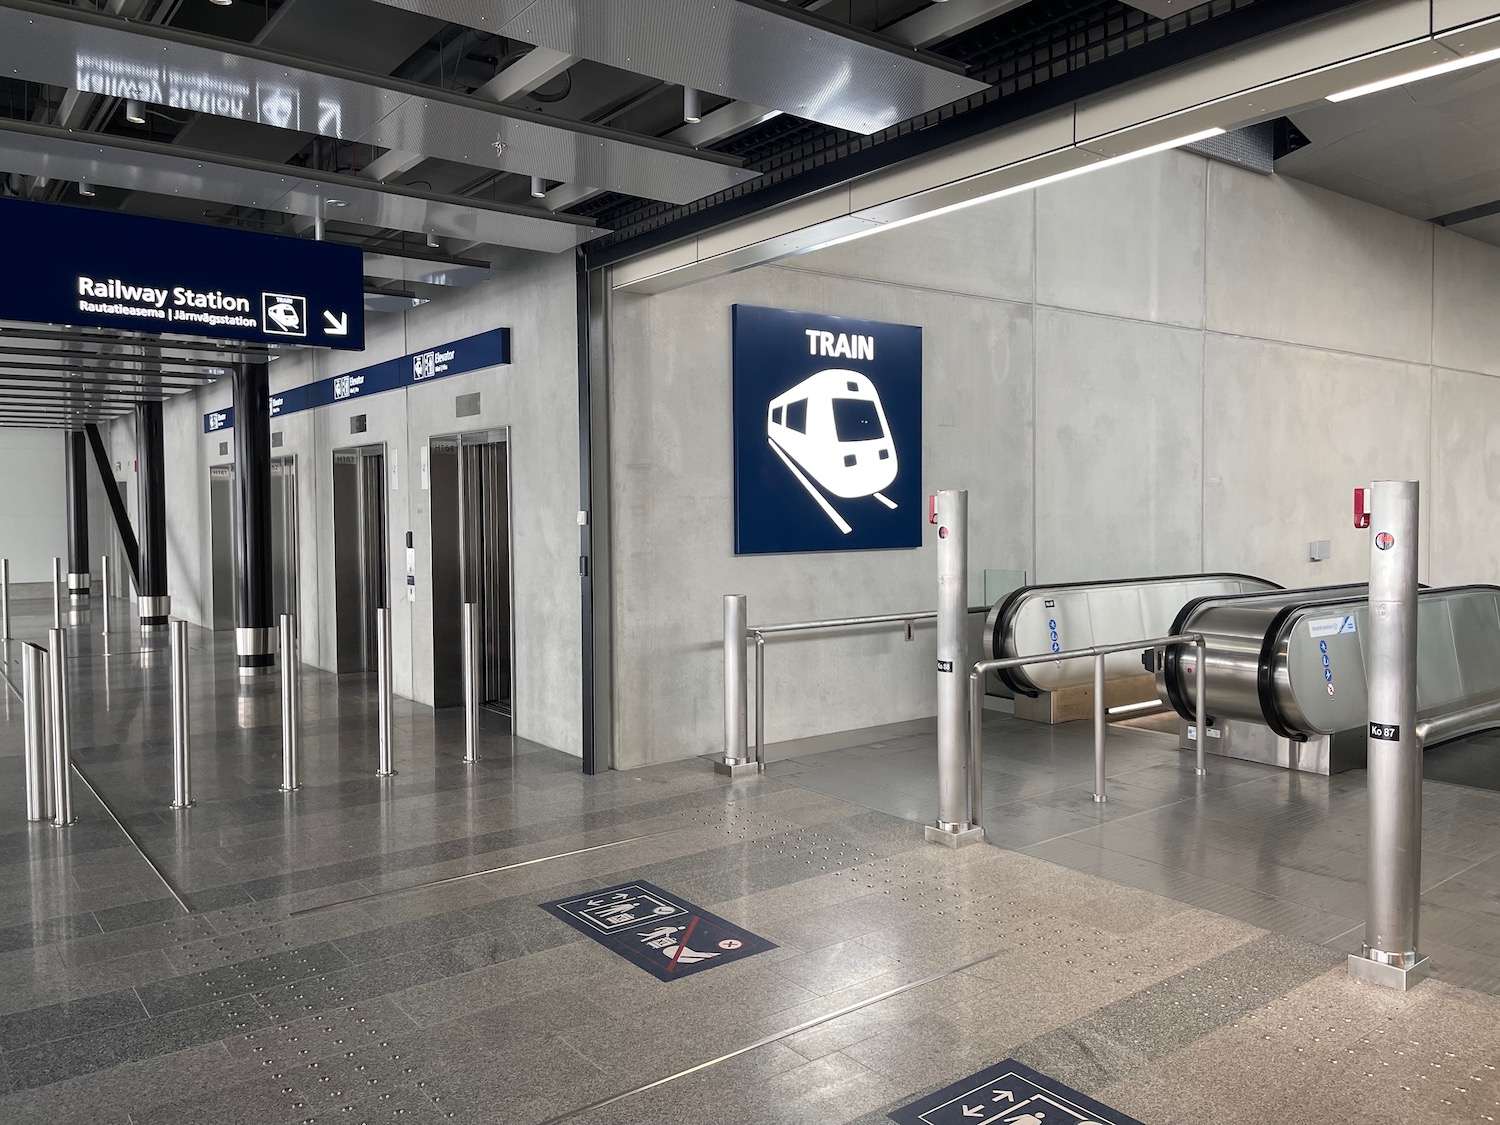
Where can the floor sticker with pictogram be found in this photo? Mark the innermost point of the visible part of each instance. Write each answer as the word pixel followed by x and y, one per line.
pixel 667 936
pixel 1008 1093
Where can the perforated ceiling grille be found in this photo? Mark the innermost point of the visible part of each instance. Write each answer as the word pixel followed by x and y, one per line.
pixel 1038 43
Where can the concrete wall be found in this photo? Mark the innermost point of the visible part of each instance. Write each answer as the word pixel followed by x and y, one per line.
pixel 1167 366
pixel 33 516
pixel 536 397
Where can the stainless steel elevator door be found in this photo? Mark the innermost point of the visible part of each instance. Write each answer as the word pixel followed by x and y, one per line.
pixel 469 481
pixel 285 545
pixel 359 549
pixel 221 543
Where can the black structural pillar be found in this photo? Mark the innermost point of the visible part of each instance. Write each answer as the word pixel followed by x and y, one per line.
pixel 76 445
pixel 154 602
pixel 254 628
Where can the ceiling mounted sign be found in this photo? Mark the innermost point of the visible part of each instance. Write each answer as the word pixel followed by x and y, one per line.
pixel 136 274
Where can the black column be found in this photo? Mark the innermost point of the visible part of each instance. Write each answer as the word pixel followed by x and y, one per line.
pixel 255 630
pixel 155 604
pixel 77 466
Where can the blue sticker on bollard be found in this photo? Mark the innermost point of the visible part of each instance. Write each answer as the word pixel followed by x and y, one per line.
pixel 1011 1094
pixel 667 936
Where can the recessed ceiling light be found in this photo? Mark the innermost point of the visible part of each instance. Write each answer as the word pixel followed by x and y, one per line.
pixel 338 203
pixel 222 3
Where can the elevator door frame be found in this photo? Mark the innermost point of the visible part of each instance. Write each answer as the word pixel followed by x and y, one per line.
pixel 489 436
pixel 370 648
pixel 291 539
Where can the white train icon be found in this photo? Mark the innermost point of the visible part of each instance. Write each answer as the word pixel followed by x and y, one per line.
pixel 831 427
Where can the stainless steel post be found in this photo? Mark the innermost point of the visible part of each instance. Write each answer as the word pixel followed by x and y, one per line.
pixel 760 703
pixel 4 599
pixel 951 514
pixel 1394 840
pixel 736 718
pixel 1099 733
pixel 290 705
pixel 976 761
pixel 62 742
pixel 38 759
pixel 471 682
pixel 182 779
pixel 1200 702
pixel 104 591
pixel 383 638
pixel 57 593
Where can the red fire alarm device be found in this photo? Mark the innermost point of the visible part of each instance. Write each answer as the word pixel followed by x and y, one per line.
pixel 1361 507
pixel 932 509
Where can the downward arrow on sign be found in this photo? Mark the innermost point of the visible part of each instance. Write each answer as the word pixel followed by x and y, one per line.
pixel 336 325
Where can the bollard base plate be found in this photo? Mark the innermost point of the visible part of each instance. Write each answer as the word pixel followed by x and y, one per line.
pixel 1388 976
pixel 386 773
pixel 1099 798
pixel 289 788
pixel 959 839
pixel 735 769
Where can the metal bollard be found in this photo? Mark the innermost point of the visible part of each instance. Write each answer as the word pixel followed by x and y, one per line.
pixel 182 779
pixel 955 757
pixel 471 682
pixel 1099 730
pixel 290 704
pixel 104 584
pixel 760 703
pixel 736 754
pixel 62 739
pixel 56 593
pixel 4 599
pixel 1200 689
pixel 383 637
pixel 38 760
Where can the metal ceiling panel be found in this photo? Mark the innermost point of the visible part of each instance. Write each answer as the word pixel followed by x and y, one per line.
pixel 757 51
pixel 395 267
pixel 140 166
pixel 77 49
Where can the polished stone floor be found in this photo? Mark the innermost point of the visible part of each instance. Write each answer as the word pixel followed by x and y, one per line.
pixel 303 984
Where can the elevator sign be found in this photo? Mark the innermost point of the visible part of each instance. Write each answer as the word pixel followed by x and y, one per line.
pixel 79 266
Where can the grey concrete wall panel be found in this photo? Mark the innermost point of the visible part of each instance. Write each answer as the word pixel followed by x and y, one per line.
pixel 671 499
pixel 31 517
pixel 35 151
pixel 1144 262
pixel 1466 277
pixel 983 251
pixel 1288 261
pixel 1118 448
pixel 1294 431
pixel 749 50
pixel 1463 496
pixel 79 50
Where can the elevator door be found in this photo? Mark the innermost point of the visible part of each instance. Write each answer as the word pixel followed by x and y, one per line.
pixel 221 543
pixel 469 477
pixel 285 544
pixel 359 548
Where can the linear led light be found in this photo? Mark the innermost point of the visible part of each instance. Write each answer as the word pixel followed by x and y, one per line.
pixel 1126 708
pixel 1043 181
pixel 1416 75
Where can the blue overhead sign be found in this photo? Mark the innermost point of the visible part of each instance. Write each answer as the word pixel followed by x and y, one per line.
pixel 827 433
pixel 73 265
pixel 472 353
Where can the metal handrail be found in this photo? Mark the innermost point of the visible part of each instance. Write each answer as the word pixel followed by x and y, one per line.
pixel 758 634
pixel 1097 653
pixel 1470 720
pixel 850 622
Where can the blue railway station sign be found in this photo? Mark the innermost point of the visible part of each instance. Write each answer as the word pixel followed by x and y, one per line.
pixel 105 269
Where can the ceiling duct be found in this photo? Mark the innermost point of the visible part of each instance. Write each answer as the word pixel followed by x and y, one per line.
pixel 758 51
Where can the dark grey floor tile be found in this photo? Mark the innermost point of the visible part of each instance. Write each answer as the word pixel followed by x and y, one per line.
pixel 58 1021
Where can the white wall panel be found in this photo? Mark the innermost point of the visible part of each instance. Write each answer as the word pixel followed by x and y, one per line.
pixel 1290 433
pixel 1292 262
pixel 1118 448
pixel 33 518
pixel 1463 496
